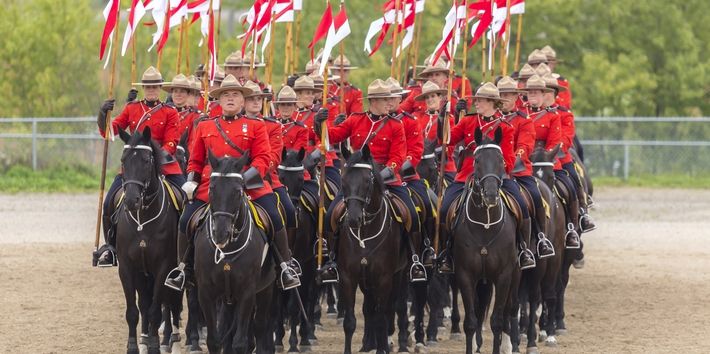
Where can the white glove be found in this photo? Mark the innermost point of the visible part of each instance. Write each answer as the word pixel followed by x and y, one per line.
pixel 189 189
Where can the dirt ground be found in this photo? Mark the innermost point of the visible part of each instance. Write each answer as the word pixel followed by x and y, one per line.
pixel 643 290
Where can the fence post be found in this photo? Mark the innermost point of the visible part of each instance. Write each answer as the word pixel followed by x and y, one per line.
pixel 34 144
pixel 626 162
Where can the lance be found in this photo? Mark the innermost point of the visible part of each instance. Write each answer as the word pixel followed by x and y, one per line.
pixel 342 71
pixel 205 75
pixel 321 178
pixel 415 42
pixel 219 24
pixel 444 145
pixel 133 56
pixel 187 47
pixel 166 22
pixel 484 69
pixel 465 58
pixel 180 42
pixel 504 47
pixel 517 42
pixel 287 58
pixel 394 39
pixel 107 133
pixel 294 54
pixel 270 63
pixel 492 48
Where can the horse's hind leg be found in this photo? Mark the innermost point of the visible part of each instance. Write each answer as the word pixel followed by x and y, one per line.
pixel 402 316
pixel 132 313
pixel 192 328
pixel 263 328
pixel 455 314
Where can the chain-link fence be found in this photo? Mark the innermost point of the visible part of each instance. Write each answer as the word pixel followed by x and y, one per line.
pixel 613 146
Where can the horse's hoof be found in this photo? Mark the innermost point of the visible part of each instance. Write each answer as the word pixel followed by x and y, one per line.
pixel 312 341
pixel 561 332
pixel 195 349
pixel 164 348
pixel 532 350
pixel 551 341
pixel 455 336
pixel 143 339
pixel 306 348
pixel 543 336
pixel 279 348
pixel 420 348
pixel 340 321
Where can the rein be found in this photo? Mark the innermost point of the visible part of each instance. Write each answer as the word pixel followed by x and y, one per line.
pixel 368 217
pixel 144 187
pixel 235 233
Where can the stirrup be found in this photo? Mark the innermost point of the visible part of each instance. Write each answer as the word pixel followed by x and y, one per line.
pixel 582 216
pixel 542 239
pixel 427 251
pixel 590 201
pixel 520 257
pixel 98 256
pixel 171 281
pixel 285 269
pixel 572 233
pixel 329 269
pixel 416 263
pixel 326 250
pixel 296 266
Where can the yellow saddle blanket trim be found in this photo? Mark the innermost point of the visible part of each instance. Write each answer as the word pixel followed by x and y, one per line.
pixel 545 205
pixel 305 203
pixel 255 214
pixel 507 202
pixel 431 202
pixel 173 197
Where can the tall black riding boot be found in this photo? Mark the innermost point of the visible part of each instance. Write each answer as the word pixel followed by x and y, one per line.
pixel 446 264
pixel 288 277
pixel 105 256
pixel 177 277
pixel 329 271
pixel 526 259
pixel 293 263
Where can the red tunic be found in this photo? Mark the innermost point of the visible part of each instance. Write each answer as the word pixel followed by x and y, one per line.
pixel 188 118
pixel 307 117
pixel 163 122
pixel 464 132
pixel 524 139
pixel 415 140
pixel 411 106
pixel 273 128
pixel 247 133
pixel 568 132
pixel 352 95
pixel 428 125
pixel 564 98
pixel 547 129
pixel 388 147
pixel 456 87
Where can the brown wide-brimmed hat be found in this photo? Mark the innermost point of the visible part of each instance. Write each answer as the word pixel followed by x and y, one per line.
pixel 342 62
pixel 230 83
pixel 286 95
pixel 439 67
pixel 311 66
pixel 235 60
pixel 151 77
pixel 255 90
pixel 551 54
pixel 195 84
pixel 378 89
pixel 526 72
pixel 488 91
pixel 395 89
pixel 318 79
pixel 537 57
pixel 219 74
pixel 429 88
pixel 543 70
pixel 535 82
pixel 551 81
pixel 507 85
pixel 305 83
pixel 179 81
pixel 257 61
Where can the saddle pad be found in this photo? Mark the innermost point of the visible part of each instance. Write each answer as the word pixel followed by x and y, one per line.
pixel 338 214
pixel 177 196
pixel 196 219
pixel 512 205
pixel 400 212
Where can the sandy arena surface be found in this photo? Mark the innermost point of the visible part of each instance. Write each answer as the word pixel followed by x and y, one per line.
pixel 644 288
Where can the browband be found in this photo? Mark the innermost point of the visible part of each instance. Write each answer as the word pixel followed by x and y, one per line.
pixel 140 147
pixel 488 146
pixel 233 175
pixel 543 164
pixel 361 165
pixel 290 168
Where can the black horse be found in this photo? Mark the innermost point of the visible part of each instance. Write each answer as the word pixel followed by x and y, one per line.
pixel 291 174
pixel 371 251
pixel 553 320
pixel 146 232
pixel 484 242
pixel 232 269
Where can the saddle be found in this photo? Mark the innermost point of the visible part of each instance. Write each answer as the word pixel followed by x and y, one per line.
pixel 507 199
pixel 197 218
pixel 331 189
pixel 309 201
pixel 560 189
pixel 513 206
pixel 261 217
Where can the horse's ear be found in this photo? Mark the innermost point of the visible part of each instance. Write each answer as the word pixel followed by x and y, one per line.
pixel 498 135
pixel 284 153
pixel 366 153
pixel 214 161
pixel 345 152
pixel 478 136
pixel 124 135
pixel 146 134
pixel 301 154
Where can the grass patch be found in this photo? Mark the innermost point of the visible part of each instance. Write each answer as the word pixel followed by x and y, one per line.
pixel 655 181
pixel 61 179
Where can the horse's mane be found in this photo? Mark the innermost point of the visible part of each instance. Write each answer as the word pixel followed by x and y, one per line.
pixel 358 157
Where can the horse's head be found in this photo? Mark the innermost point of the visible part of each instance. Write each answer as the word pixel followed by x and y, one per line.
pixel 140 161
pixel 489 165
pixel 428 166
pixel 182 155
pixel 227 185
pixel 291 171
pixel 543 164
pixel 361 181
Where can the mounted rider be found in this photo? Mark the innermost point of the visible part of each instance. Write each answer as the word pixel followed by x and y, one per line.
pixel 163 122
pixel 233 134
pixel 386 138
pixel 488 120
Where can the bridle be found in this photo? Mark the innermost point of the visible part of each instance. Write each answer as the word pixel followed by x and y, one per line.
pixel 144 187
pixel 368 217
pixel 478 191
pixel 234 231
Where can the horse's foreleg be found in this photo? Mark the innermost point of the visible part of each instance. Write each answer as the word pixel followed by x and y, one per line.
pixel 467 288
pixel 500 309
pixel 347 299
pixel 263 330
pixel 209 311
pixel 132 313
pixel 155 317
pixel 402 316
pixel 455 314
pixel 420 298
pixel 244 310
